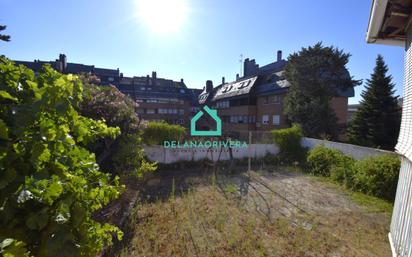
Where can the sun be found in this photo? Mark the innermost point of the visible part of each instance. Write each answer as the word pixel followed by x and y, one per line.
pixel 162 16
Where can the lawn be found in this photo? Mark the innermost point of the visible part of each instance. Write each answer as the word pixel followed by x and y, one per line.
pixel 272 212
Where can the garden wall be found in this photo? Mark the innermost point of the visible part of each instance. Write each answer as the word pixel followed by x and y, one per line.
pixel 354 151
pixel 256 151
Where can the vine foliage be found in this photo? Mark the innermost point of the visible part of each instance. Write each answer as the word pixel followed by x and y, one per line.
pixel 50 184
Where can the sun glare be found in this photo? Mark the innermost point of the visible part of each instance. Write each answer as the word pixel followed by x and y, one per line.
pixel 162 16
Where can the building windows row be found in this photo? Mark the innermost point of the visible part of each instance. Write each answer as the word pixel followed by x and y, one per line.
pixel 275 120
pixel 161 111
pixel 222 104
pixel 272 99
pixel 171 111
pixel 242 119
pixel 161 100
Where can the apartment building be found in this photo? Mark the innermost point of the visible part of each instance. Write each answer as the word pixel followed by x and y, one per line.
pixel 161 99
pixel 158 98
pixel 255 101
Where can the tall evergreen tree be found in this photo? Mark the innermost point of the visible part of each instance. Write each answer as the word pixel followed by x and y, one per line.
pixel 316 74
pixel 377 121
pixel 4 37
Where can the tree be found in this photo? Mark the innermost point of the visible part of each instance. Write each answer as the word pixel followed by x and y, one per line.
pixel 316 74
pixel 377 121
pixel 2 36
pixel 123 155
pixel 50 184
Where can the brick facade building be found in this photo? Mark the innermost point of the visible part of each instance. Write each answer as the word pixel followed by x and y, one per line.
pixel 158 98
pixel 255 101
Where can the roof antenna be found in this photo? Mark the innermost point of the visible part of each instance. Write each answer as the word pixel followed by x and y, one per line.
pixel 241 64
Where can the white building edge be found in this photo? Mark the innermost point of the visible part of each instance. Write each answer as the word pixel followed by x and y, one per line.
pixel 390 24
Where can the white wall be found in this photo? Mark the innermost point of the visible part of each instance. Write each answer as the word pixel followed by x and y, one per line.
pixel 354 151
pixel 169 155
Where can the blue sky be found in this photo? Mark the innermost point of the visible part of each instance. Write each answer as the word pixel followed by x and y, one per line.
pixel 208 43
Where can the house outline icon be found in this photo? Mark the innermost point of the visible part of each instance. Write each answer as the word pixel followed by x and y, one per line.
pixel 213 114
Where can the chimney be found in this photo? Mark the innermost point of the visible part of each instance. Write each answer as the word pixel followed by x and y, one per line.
pixel 279 57
pixel 63 62
pixel 182 81
pixel 245 67
pixel 209 86
pixel 237 77
pixel 154 78
pixel 223 80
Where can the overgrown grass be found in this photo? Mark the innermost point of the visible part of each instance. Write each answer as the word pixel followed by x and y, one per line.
pixel 371 203
pixel 205 223
pixel 209 220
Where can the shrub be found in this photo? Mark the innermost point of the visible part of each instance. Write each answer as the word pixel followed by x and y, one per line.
pixel 123 155
pixel 377 176
pixel 289 142
pixel 157 132
pixel 50 184
pixel 343 171
pixel 322 161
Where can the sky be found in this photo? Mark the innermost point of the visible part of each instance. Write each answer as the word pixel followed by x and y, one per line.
pixel 197 40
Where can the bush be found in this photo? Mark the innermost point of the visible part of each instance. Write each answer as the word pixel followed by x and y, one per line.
pixel 343 172
pixel 157 132
pixel 377 176
pixel 123 155
pixel 322 161
pixel 289 142
pixel 50 184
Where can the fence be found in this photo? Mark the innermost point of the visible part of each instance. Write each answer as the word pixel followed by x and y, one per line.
pixel 400 235
pixel 258 145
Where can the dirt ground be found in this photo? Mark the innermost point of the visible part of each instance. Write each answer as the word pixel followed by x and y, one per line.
pixel 292 214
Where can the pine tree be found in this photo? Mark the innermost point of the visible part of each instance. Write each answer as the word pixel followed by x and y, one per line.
pixel 316 74
pixel 377 121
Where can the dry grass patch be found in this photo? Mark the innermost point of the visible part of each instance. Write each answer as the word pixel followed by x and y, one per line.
pixel 216 219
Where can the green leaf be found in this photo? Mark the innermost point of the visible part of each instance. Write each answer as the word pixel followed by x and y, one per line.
pixel 38 220
pixel 4 95
pixel 4 130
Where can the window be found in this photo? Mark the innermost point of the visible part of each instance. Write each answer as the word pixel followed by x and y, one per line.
pixel 182 91
pixel 275 99
pixel 139 101
pixel 265 119
pixel 151 101
pixel 222 104
pixel 265 100
pixel 276 120
pixel 143 88
pixel 252 119
pixel 162 111
pixel 233 119
pixel 180 121
pixel 181 111
pixel 111 79
pixel 140 111
pixel 150 111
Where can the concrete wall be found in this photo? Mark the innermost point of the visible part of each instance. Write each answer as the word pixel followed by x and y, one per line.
pixel 355 151
pixel 169 155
